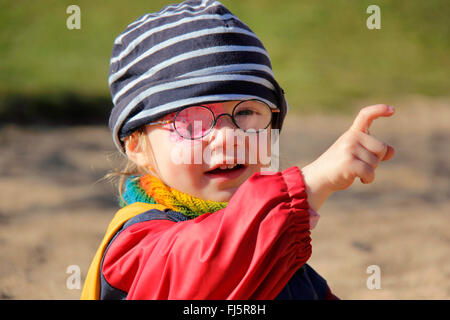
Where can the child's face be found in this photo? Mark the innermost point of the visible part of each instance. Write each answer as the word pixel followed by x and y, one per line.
pixel 193 166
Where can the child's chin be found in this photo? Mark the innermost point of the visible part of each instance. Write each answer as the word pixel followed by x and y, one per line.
pixel 222 195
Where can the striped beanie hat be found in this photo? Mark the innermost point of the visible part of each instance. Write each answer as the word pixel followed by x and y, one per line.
pixel 186 54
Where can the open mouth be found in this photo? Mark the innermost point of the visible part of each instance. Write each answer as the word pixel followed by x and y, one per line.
pixel 227 171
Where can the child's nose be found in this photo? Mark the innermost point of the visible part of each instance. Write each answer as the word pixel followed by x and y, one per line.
pixel 223 131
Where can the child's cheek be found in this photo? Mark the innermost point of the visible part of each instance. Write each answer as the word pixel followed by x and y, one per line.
pixel 174 136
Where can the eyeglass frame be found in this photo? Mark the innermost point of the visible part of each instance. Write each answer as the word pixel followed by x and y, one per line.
pixel 217 118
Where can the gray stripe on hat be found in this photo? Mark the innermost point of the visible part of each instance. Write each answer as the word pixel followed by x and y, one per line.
pixel 229 68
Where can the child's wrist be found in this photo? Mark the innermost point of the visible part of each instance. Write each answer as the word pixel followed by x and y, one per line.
pixel 317 187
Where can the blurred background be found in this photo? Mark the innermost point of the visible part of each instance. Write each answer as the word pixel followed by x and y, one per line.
pixel 55 104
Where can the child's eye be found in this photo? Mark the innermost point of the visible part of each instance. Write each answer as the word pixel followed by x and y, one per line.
pixel 245 112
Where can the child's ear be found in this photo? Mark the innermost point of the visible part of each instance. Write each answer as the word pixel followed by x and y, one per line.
pixel 135 150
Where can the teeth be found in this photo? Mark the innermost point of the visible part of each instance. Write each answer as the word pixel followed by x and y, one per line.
pixel 225 166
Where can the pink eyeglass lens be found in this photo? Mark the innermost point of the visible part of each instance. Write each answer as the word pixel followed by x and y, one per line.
pixel 194 122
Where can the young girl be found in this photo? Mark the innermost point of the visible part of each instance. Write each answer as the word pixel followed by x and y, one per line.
pixel 191 86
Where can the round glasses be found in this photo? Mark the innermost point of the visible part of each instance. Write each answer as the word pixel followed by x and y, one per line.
pixel 196 122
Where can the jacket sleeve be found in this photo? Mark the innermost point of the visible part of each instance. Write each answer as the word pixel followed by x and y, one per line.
pixel 248 250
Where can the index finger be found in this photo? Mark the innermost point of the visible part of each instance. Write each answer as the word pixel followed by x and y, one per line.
pixel 366 115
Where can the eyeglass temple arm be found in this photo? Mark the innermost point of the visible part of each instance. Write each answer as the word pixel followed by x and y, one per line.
pixel 160 122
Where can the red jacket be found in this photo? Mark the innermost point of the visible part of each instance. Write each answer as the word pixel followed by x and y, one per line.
pixel 249 250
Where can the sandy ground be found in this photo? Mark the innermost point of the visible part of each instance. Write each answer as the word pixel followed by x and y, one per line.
pixel 54 210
